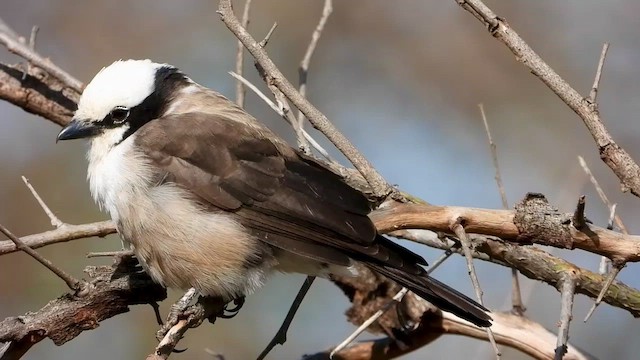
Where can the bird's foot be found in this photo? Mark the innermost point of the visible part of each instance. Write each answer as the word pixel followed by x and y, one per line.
pixel 228 313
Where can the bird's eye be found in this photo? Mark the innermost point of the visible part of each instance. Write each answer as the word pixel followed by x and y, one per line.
pixel 119 114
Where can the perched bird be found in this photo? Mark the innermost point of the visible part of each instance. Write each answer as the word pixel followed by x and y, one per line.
pixel 212 199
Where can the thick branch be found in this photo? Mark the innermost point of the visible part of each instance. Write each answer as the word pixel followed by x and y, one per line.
pixel 537 264
pixel 114 288
pixel 533 221
pixel 38 93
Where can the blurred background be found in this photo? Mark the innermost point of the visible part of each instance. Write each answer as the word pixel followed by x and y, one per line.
pixel 403 81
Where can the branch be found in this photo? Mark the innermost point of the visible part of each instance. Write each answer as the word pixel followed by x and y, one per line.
pixel 303 70
pixel 37 94
pixel 379 187
pixel 13 44
pixel 80 288
pixel 114 289
pixel 67 233
pixel 533 221
pixel 240 91
pixel 567 290
pixel 536 264
pixel 370 291
pixel 618 160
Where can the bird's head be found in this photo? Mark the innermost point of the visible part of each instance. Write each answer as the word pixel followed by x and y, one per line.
pixel 121 98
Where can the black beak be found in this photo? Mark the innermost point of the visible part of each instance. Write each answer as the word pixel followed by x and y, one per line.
pixel 77 130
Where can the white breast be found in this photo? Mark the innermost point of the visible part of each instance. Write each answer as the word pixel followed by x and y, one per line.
pixel 116 173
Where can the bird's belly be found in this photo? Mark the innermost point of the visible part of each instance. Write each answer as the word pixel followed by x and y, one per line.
pixel 182 245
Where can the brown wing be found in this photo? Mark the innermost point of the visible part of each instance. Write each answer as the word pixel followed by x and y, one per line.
pixel 287 201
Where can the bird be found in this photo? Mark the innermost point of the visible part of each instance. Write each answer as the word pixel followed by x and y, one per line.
pixel 210 198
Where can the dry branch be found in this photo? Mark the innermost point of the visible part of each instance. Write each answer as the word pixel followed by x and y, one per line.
pixel 371 291
pixel 67 233
pixel 379 187
pixel 536 264
pixel 532 221
pixel 618 160
pixel 114 289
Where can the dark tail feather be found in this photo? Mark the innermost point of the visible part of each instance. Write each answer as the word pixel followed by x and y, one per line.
pixel 439 294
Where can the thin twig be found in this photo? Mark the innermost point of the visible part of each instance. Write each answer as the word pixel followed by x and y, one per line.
pixel 79 287
pixel 618 160
pixel 460 232
pixel 267 37
pixel 280 111
pixel 601 193
pixel 615 270
pixel 110 253
pixel 395 300
pixel 596 82
pixel 283 103
pixel 567 291
pixel 303 70
pixel 23 50
pixel 379 187
pixel 67 233
pixel 517 305
pixel 57 223
pixel 32 45
pixel 605 263
pixel 281 335
pixel 240 91
pixel 494 158
pixel 579 221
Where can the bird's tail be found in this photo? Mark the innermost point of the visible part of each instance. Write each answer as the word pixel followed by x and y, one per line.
pixel 437 293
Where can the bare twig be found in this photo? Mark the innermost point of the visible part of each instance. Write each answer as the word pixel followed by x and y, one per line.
pixel 615 270
pixel 602 195
pixel 494 158
pixel 618 160
pixel 283 103
pixel 67 233
pixel 110 253
pixel 281 335
pixel 517 306
pixel 267 37
pixel 579 221
pixel 567 292
pixel 57 223
pixel 14 45
pixel 596 82
pixel 66 317
pixel 79 287
pixel 605 264
pixel 240 91
pixel 32 45
pixel 303 70
pixel 379 187
pixel 458 229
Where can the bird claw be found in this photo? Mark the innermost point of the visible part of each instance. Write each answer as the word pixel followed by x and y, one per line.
pixel 228 313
